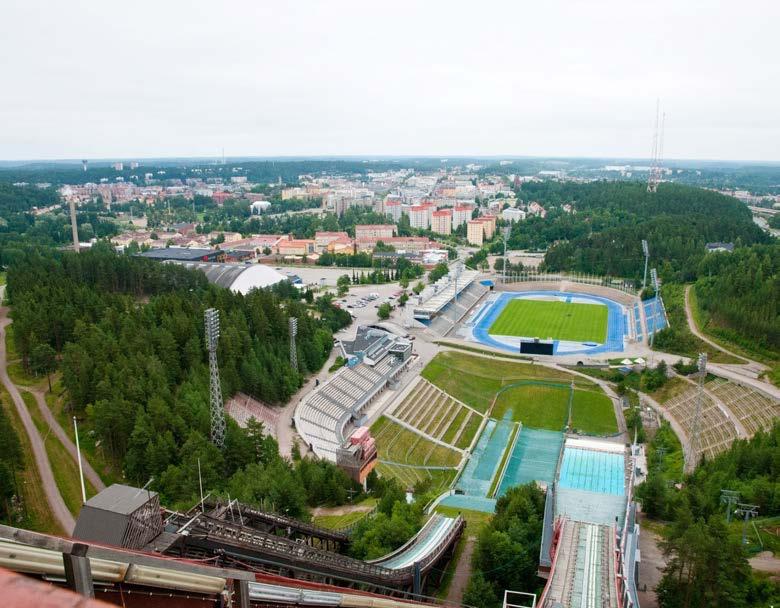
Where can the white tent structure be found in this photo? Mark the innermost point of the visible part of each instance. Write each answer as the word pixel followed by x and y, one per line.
pixel 239 278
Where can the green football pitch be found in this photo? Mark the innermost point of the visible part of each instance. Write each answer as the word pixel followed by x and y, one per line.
pixel 552 319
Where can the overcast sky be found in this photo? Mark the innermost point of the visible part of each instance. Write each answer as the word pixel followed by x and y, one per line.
pixel 103 79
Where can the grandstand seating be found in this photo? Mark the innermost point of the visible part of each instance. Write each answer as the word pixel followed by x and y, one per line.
pixel 716 431
pixel 453 312
pixel 325 415
pixel 755 410
pixel 655 315
pixel 437 414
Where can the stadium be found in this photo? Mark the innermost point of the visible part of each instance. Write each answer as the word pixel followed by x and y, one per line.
pixel 561 317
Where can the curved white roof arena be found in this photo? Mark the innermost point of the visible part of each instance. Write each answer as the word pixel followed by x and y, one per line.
pixel 239 278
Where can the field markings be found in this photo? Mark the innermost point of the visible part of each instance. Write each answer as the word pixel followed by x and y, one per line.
pixel 568 321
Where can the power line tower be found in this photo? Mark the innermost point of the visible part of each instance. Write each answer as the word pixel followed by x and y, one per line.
pixel 694 455
pixel 729 498
pixel 646 251
pixel 211 321
pixel 654 177
pixel 293 325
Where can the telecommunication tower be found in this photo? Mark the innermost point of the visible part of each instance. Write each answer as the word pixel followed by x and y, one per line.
pixel 211 321
pixel 293 322
pixel 84 164
pixel 654 177
pixel 694 456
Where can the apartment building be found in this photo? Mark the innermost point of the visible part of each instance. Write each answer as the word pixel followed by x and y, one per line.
pixel 441 221
pixel 379 231
pixel 475 232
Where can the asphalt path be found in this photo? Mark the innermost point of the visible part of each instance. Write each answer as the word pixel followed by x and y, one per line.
pixel 53 496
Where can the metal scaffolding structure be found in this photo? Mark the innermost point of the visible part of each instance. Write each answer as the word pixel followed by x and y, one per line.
pixel 694 455
pixel 293 323
pixel 211 321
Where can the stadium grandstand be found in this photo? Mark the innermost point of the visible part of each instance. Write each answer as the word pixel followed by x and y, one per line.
pixel 242 408
pixel 755 410
pixel 330 416
pixel 448 289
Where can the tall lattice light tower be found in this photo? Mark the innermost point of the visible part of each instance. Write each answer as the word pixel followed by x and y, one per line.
pixel 211 321
pixel 656 286
pixel 646 251
pixel 694 456
pixel 293 322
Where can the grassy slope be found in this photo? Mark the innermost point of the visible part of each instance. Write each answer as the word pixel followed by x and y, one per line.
pixel 593 413
pixel 65 469
pixel 558 320
pixel 538 407
pixel 475 380
pixel 37 516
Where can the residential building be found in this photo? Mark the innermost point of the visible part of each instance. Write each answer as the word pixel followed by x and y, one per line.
pixel 461 214
pixel 295 247
pixel 393 209
pixel 380 231
pixel 513 215
pixel 441 221
pixel 418 217
pixel 475 232
pixel 322 240
pixel 400 243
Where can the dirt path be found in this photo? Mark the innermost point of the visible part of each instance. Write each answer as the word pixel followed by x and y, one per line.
pixel 695 331
pixel 54 425
pixel 766 562
pixel 650 568
pixel 462 573
pixel 342 510
pixel 53 496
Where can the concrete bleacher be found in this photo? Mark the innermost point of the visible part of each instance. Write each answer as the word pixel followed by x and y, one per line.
pixel 326 414
pixel 442 293
pixel 453 313
pixel 716 431
pixel 434 412
pixel 754 409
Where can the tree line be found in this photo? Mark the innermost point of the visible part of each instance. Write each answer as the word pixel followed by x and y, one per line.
pixel 129 336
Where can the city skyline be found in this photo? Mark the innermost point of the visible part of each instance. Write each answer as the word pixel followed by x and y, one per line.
pixel 566 79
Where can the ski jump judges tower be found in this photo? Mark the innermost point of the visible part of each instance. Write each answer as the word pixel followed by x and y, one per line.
pixel 211 321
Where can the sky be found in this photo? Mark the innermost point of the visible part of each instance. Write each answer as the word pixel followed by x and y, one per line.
pixel 98 79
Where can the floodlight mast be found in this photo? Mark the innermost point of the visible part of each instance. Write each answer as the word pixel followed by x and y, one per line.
pixel 293 325
pixel 694 447
pixel 211 323
pixel 646 251
pixel 654 278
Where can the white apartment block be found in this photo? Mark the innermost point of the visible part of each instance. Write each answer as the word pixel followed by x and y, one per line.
pixel 513 215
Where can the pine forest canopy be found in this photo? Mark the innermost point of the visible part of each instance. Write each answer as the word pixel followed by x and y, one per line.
pixel 129 332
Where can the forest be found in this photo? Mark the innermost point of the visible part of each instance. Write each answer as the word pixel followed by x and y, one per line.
pixel 603 234
pixel 707 565
pixel 740 293
pixel 507 551
pixel 128 334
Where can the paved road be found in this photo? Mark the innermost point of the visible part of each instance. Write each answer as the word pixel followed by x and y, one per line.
pixel 53 496
pixel 54 425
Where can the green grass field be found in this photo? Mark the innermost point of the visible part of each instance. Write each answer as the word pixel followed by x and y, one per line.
pixel 557 320
pixel 475 380
pixel 592 412
pixel 538 407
